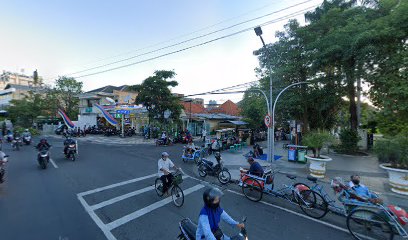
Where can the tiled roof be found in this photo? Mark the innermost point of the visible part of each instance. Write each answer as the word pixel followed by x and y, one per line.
pixel 195 108
pixel 228 107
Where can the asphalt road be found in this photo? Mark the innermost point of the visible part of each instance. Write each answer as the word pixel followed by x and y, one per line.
pixel 78 201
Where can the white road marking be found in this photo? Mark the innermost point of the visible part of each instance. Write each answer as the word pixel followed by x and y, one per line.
pixel 96 219
pixel 112 225
pixel 296 213
pixel 116 185
pixel 120 198
pixel 53 163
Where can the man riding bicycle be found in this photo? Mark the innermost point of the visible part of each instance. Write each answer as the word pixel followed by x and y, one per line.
pixel 211 215
pixel 164 165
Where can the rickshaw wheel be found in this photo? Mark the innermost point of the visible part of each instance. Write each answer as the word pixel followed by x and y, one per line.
pixel 368 224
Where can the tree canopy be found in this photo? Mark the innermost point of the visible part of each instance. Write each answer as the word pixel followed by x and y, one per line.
pixel 154 93
pixel 343 42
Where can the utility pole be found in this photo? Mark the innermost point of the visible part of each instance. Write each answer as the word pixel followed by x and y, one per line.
pixel 271 134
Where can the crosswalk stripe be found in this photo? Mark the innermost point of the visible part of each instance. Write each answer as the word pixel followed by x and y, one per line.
pixel 143 211
pixel 116 185
pixel 120 198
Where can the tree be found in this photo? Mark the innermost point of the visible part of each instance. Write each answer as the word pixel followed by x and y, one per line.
pixel 24 111
pixel 253 108
pixel 316 104
pixel 156 97
pixel 65 94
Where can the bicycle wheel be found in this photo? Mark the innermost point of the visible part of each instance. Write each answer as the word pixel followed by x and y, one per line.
pixel 368 224
pixel 224 176
pixel 158 186
pixel 252 189
pixel 312 203
pixel 294 195
pixel 177 195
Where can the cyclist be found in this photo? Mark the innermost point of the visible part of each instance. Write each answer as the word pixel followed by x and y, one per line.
pixel 164 165
pixel 211 215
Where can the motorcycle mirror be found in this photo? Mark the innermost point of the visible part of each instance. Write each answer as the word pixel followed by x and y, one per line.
pixel 244 218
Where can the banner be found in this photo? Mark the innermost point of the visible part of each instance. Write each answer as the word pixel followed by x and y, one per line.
pixel 66 119
pixel 106 115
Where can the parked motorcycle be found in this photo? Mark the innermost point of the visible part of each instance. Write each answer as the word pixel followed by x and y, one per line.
pixel 3 162
pixel 16 143
pixel 188 231
pixel 206 167
pixel 27 140
pixel 43 157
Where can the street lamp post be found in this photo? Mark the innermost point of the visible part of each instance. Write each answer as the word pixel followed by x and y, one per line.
pixel 271 138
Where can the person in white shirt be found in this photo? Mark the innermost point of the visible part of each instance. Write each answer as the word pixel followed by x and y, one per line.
pixel 204 134
pixel 164 166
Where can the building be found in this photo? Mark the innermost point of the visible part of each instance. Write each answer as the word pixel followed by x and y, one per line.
pixel 196 116
pixel 14 86
pixel 7 78
pixel 111 98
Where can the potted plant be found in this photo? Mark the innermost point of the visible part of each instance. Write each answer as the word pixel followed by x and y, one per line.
pixel 316 140
pixel 393 155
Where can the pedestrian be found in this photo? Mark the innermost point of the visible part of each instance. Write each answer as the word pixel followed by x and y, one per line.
pixel 204 135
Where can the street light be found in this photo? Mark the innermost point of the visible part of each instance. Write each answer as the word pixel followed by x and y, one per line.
pixel 271 138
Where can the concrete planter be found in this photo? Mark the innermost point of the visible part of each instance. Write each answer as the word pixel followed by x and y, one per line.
pixel 398 179
pixel 317 166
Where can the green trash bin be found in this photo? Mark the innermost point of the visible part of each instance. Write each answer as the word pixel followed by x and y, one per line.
pixel 301 155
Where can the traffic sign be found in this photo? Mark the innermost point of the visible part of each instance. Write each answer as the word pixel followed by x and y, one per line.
pixel 268 120
pixel 125 112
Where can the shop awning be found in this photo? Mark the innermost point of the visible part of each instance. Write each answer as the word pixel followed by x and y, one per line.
pixel 238 123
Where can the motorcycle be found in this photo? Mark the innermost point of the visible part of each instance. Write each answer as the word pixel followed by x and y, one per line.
pixel 2 169
pixel 71 152
pixel 16 143
pixel 27 140
pixel 43 157
pixel 206 167
pixel 161 142
pixel 9 137
pixel 188 231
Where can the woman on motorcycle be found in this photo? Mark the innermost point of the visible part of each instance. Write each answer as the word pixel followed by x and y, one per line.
pixel 211 215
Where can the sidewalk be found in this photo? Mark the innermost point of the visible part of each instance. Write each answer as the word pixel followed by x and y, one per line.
pixel 342 166
pixel 116 140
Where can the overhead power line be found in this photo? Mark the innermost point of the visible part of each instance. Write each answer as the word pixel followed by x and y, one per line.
pixel 179 36
pixel 189 40
pixel 203 43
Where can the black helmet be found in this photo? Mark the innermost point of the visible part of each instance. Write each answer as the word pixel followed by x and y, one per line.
pixel 210 195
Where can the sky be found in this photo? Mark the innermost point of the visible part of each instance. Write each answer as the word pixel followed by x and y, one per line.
pixel 63 37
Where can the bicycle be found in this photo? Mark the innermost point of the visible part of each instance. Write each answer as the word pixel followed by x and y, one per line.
pixel 177 194
pixel 254 187
pixel 364 219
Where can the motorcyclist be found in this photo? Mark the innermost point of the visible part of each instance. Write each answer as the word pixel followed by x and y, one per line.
pixel 211 215
pixel 26 133
pixel 16 134
pixel 164 137
pixel 68 142
pixel 43 144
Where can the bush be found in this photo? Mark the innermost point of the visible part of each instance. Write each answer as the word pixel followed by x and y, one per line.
pixel 316 140
pixel 393 151
pixel 348 141
pixel 34 132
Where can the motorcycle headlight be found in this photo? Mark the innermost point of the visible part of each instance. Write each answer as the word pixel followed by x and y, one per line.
pixel 72 145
